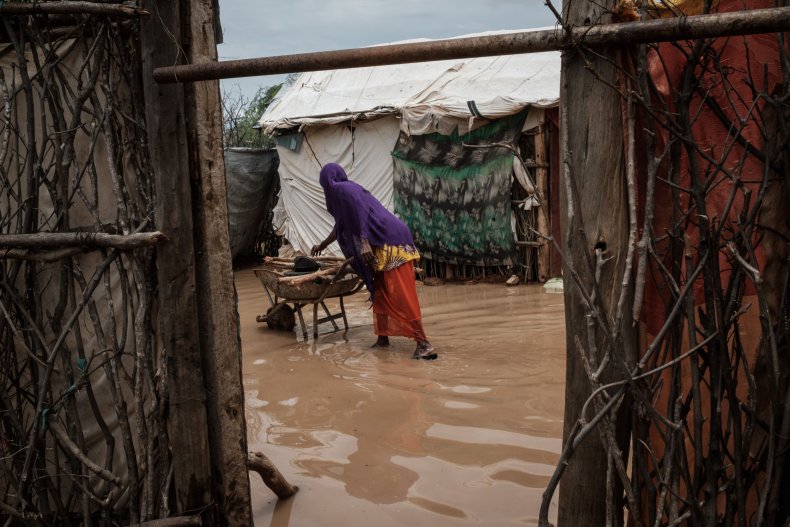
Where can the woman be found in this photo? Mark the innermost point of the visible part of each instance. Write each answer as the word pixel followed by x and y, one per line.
pixel 383 254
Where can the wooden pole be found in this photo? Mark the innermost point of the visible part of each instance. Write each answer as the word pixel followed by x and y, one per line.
pixel 542 188
pixel 594 213
pixel 178 317
pixel 48 240
pixel 71 8
pixel 603 35
pixel 220 340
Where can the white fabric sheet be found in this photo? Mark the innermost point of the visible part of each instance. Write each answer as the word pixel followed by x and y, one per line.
pixel 431 96
pixel 366 156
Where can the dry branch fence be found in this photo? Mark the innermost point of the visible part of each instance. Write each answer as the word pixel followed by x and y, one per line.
pixel 82 378
pixel 676 173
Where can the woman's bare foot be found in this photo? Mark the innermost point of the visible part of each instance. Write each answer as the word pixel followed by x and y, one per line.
pixel 381 342
pixel 424 351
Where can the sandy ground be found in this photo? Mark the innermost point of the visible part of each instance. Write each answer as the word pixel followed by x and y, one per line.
pixel 376 438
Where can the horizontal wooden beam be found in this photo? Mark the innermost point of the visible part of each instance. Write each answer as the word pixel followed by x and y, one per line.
pixel 71 8
pixel 49 240
pixel 605 35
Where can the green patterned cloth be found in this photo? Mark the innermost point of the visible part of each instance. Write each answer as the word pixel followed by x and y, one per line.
pixel 456 199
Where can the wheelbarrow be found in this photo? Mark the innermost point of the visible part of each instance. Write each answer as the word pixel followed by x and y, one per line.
pixel 283 292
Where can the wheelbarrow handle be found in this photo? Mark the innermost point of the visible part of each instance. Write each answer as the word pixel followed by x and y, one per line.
pixel 338 274
pixel 343 266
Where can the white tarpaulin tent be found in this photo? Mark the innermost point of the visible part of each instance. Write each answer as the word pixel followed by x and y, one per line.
pixel 354 116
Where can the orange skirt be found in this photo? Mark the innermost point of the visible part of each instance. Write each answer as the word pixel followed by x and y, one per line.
pixel 396 308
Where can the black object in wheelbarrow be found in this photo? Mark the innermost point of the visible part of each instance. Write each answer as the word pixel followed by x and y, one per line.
pixel 303 265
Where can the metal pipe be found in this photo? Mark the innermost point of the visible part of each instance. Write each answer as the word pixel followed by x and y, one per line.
pixel 661 30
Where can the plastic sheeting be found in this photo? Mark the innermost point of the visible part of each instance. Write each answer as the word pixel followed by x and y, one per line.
pixel 251 175
pixel 430 96
pixel 353 117
pixel 363 150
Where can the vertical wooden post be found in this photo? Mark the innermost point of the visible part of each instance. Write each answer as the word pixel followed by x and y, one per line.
pixel 544 211
pixel 216 293
pixel 594 212
pixel 178 320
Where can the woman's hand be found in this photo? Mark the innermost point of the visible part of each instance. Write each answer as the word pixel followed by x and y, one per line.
pixel 370 260
pixel 318 249
pixel 367 255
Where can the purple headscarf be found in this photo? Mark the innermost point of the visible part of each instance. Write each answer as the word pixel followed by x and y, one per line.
pixel 358 215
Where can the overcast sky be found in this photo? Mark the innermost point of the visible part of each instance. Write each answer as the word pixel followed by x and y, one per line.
pixel 262 28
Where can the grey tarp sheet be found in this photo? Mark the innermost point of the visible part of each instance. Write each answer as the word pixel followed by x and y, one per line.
pixel 251 175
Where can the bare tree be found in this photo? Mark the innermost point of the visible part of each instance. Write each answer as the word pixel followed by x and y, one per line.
pixel 240 117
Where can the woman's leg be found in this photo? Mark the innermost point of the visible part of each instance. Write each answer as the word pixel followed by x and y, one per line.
pixel 380 319
pixel 424 350
pixel 381 342
pixel 380 328
pixel 397 308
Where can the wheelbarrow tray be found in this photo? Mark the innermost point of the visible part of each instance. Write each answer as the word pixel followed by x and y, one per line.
pixel 313 292
pixel 307 292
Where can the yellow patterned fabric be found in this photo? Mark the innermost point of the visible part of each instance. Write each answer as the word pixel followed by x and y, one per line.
pixel 388 257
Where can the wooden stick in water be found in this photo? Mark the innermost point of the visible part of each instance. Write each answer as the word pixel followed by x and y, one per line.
pixel 270 475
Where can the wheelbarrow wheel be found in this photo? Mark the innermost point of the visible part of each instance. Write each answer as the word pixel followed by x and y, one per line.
pixel 282 319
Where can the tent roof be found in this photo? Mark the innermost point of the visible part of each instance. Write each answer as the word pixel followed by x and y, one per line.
pixel 498 86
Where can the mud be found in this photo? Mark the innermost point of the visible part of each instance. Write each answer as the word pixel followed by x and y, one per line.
pixel 376 438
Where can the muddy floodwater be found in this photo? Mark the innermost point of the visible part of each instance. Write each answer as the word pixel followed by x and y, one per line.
pixel 376 438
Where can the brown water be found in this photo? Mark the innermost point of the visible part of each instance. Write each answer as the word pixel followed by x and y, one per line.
pixel 376 438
